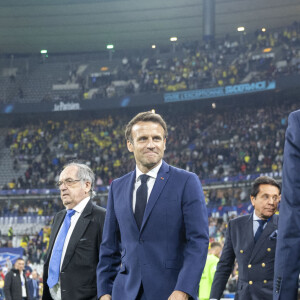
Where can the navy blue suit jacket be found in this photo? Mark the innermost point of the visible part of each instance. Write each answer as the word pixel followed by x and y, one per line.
pixel 255 260
pixel 169 251
pixel 31 288
pixel 287 263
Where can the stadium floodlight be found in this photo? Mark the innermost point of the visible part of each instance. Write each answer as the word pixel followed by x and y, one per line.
pixel 110 46
pixel 263 29
pixel 153 110
pixel 241 28
pixel 153 46
pixel 44 51
pixel 173 39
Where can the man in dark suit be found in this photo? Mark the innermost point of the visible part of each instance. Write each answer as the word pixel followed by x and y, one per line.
pixel 33 286
pixel 251 240
pixel 155 236
pixel 16 285
pixel 73 253
pixel 287 262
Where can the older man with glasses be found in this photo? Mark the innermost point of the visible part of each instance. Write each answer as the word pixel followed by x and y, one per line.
pixel 73 253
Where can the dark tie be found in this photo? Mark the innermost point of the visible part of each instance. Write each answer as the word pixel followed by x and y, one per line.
pixel 141 200
pixel 259 230
pixel 54 265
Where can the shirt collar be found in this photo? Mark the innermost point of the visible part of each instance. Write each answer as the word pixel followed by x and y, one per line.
pixel 256 218
pixel 152 173
pixel 81 205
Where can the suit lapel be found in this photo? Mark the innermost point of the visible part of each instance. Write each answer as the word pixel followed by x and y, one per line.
pixel 77 233
pixel 160 182
pixel 54 230
pixel 128 194
pixel 265 235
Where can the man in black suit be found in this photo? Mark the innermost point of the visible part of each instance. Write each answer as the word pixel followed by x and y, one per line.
pixel 73 253
pixel 251 240
pixel 16 285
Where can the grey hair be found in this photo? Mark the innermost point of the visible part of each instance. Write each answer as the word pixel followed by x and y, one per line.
pixel 84 173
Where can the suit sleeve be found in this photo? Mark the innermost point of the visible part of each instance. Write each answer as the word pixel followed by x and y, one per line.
pixel 101 217
pixel 7 286
pixel 196 231
pixel 287 259
pixel 224 267
pixel 30 288
pixel 109 257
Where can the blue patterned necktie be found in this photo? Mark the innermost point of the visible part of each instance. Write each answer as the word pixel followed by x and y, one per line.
pixel 141 200
pixel 54 265
pixel 259 230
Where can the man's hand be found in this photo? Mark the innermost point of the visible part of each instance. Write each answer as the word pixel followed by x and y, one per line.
pixel 105 297
pixel 178 295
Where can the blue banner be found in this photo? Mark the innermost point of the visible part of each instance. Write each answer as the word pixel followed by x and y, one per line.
pixel 229 90
pixel 10 253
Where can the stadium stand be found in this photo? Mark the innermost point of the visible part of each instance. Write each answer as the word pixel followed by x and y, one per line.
pixel 213 145
pixel 195 65
pixel 227 144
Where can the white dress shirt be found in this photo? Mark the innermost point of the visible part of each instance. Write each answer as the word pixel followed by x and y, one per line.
pixel 150 183
pixel 24 294
pixel 55 291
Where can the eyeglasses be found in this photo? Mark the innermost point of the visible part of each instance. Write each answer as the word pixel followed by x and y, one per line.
pixel 67 182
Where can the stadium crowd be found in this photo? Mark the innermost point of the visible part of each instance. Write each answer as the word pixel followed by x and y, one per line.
pixel 213 145
pixel 227 61
pixel 195 65
pixel 36 207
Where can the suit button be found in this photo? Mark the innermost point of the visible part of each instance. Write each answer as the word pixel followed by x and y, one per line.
pixel 269 249
pixel 265 281
pixel 263 265
pixel 249 266
pixel 250 282
pixel 242 251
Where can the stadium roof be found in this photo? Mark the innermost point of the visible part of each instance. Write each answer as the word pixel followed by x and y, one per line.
pixel 64 26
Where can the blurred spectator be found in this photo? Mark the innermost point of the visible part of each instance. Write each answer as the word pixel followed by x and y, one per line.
pixel 33 286
pixel 16 285
pixel 214 253
pixel 1 288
